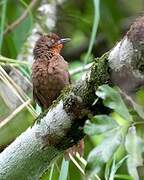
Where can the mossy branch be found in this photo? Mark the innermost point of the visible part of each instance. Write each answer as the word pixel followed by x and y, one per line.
pixel 62 125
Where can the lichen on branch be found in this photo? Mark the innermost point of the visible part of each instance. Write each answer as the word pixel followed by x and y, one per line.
pixel 61 126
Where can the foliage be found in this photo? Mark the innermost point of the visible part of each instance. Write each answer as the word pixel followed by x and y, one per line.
pixel 116 134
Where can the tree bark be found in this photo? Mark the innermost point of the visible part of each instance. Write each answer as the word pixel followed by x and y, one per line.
pixel 62 125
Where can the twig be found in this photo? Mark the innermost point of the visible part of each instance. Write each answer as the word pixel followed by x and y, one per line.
pixel 17 90
pixel 21 18
pixel 14 113
pixel 76 164
pixel 84 162
pixel 9 60
pixel 80 69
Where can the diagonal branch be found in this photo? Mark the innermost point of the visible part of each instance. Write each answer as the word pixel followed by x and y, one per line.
pixel 21 18
pixel 62 125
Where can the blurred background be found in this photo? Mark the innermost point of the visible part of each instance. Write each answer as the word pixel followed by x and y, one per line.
pixel 93 27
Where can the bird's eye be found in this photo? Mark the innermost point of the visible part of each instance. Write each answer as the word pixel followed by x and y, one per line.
pixel 52 41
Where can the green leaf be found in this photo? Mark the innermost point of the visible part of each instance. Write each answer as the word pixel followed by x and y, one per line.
pixel 134 146
pixel 64 170
pixel 99 124
pixel 115 167
pixel 103 152
pixel 112 99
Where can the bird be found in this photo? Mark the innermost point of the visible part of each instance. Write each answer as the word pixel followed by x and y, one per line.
pixel 50 74
pixel 49 70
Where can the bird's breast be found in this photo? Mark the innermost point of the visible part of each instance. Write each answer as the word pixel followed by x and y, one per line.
pixel 50 77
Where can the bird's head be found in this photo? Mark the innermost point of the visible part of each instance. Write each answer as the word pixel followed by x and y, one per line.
pixel 50 42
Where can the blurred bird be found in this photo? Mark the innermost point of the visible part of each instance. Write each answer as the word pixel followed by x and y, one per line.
pixel 50 74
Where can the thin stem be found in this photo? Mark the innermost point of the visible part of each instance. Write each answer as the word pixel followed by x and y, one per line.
pixel 9 60
pixel 76 164
pixel 80 69
pixel 81 159
pixel 84 162
pixel 94 28
pixel 14 113
pixel 21 18
pixel 137 123
pixel 123 176
pixel 17 90
pixel 4 6
pixel 30 12
pixel 51 171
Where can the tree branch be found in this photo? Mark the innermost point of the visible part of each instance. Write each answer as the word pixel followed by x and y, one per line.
pixel 62 125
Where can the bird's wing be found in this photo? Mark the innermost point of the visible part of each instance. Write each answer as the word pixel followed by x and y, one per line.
pixel 38 98
pixel 59 61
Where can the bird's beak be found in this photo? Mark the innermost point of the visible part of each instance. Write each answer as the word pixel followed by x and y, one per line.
pixel 63 40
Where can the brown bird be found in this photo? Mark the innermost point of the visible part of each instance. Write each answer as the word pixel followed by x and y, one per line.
pixel 50 73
